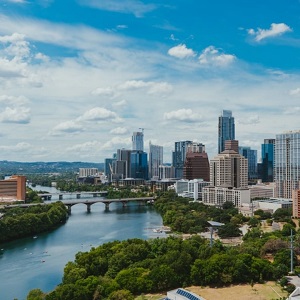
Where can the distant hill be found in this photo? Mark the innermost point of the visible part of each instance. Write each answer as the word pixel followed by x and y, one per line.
pixel 14 167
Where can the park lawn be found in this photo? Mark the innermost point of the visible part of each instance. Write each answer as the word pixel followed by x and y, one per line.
pixel 267 291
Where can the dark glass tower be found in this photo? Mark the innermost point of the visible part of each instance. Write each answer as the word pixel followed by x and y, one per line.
pixel 267 157
pixel 226 129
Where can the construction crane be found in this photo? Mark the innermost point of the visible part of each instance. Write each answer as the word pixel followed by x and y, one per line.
pixel 142 128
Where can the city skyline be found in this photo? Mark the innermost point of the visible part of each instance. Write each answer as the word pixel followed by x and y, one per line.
pixel 77 80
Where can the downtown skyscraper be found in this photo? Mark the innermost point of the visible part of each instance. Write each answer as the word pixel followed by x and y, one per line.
pixel 155 160
pixel 138 141
pixel 226 129
pixel 287 163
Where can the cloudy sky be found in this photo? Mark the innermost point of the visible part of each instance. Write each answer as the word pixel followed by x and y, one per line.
pixel 77 77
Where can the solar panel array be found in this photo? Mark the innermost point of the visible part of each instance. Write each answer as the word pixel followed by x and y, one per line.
pixel 187 295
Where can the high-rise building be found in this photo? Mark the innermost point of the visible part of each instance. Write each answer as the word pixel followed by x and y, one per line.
pixel 251 156
pixel 226 130
pixel 267 157
pixel 179 155
pixel 287 163
pixel 155 160
pixel 122 164
pixel 229 169
pixel 196 166
pixel 138 141
pixel 138 165
pixel 166 172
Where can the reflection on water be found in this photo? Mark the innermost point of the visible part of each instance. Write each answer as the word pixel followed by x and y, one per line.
pixel 38 262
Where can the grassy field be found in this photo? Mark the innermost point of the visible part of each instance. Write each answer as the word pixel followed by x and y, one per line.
pixel 267 291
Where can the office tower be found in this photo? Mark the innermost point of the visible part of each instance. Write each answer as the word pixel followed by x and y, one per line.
pixel 251 156
pixel 138 165
pixel 138 141
pixel 232 145
pixel 287 163
pixel 122 164
pixel 267 157
pixel 229 169
pixel 155 160
pixel 178 158
pixel 166 172
pixel 226 130
pixel 196 166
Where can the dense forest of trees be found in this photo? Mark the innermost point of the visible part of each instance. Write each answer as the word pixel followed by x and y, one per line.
pixel 21 222
pixel 124 269
pixel 135 266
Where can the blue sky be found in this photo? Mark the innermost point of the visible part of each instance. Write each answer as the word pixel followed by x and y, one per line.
pixel 78 77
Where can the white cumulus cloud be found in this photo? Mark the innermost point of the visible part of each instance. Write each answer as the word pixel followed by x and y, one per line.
pixel 99 114
pixel 181 51
pixel 119 131
pixel 19 115
pixel 184 115
pixel 66 127
pixel 276 29
pixel 213 56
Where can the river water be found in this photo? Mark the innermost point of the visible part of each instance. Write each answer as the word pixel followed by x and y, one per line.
pixel 38 262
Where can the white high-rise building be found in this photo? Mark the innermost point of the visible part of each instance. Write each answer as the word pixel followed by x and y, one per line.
pixel 287 163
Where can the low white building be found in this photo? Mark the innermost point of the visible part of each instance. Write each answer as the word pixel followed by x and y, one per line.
pixel 217 195
pixel 190 188
pixel 273 204
pixel 262 190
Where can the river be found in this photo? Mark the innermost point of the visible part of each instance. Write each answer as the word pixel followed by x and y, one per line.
pixel 38 262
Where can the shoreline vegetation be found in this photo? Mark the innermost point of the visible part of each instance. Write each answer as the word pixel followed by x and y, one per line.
pixel 134 268
pixel 17 223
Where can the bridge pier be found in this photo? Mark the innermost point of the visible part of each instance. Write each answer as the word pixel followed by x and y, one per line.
pixel 60 196
pixel 124 203
pixel 94 195
pixel 88 207
pixel 69 208
pixel 78 196
pixel 107 205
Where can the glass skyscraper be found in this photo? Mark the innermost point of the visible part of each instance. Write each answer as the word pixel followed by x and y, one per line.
pixel 287 163
pixel 226 130
pixel 267 157
pixel 155 160
pixel 179 156
pixel 138 141
pixel 251 156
